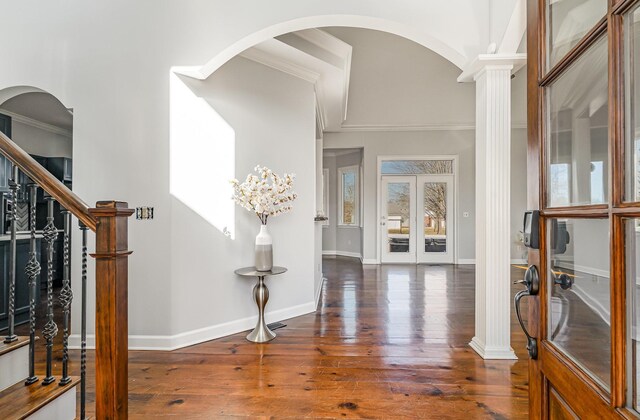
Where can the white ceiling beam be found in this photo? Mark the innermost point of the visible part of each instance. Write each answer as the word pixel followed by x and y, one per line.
pixel 515 30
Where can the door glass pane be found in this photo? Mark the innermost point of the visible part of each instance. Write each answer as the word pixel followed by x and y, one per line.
pixel 633 285
pixel 579 294
pixel 398 216
pixel 416 167
pixel 577 104
pixel 567 22
pixel 632 97
pixel 435 217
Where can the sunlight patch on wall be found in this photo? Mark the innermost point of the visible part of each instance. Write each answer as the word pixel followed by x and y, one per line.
pixel 202 157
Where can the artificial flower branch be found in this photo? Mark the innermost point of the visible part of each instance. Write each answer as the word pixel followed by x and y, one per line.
pixel 266 194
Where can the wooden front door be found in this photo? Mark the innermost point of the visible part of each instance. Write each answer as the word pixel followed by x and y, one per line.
pixel 584 177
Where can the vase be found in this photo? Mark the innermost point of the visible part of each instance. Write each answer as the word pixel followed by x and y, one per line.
pixel 264 250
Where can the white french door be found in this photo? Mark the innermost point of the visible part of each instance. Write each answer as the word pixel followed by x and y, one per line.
pixel 416 224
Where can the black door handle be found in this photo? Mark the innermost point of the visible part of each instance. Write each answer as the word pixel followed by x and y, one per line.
pixel 532 282
pixel 564 281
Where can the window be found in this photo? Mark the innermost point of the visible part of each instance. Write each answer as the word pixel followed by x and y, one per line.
pixel 325 196
pixel 416 167
pixel 349 195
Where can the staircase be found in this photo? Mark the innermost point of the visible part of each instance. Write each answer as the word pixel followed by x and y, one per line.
pixel 35 401
pixel 30 390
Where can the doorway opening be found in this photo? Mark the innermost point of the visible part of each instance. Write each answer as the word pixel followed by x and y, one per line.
pixel 416 204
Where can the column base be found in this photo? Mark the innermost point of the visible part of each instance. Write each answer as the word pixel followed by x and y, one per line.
pixel 492 352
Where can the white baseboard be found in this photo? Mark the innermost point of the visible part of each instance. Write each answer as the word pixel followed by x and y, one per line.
pixel 342 254
pixel 319 291
pixel 189 338
pixel 492 353
pixel 370 261
pixel 472 261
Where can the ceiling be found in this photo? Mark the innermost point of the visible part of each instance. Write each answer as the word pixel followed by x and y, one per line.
pixel 41 107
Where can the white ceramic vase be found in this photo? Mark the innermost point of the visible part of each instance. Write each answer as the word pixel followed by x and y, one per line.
pixel 264 250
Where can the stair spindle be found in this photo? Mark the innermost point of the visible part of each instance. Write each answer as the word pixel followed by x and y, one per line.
pixel 33 272
pixel 14 186
pixel 83 326
pixel 66 297
pixel 50 330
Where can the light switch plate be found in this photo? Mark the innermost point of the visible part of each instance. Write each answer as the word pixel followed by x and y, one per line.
pixel 144 213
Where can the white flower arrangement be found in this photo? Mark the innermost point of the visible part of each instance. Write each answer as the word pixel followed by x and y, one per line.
pixel 266 194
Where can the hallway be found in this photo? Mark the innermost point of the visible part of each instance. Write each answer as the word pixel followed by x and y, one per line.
pixel 384 344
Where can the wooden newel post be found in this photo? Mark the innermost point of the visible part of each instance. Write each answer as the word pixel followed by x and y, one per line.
pixel 111 256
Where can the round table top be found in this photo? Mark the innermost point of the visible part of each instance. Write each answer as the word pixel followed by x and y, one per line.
pixel 252 272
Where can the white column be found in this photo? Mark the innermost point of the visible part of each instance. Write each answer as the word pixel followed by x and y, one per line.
pixel 492 338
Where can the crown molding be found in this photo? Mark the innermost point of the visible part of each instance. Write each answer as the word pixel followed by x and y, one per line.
pixel 405 127
pixel 37 124
pixel 281 64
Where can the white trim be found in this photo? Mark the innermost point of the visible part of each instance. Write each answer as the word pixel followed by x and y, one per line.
pixel 342 254
pixel 483 62
pixel 189 338
pixel 346 128
pixel 471 261
pixel 404 127
pixel 456 186
pixel 370 261
pixel 584 269
pixel 37 124
pixel 355 169
pixel 279 63
pixel 492 353
pixel 318 292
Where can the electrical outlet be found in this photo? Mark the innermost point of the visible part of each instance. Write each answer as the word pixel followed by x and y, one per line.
pixel 144 213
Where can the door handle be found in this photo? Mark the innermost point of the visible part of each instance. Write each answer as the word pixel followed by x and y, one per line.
pixel 532 284
pixel 564 281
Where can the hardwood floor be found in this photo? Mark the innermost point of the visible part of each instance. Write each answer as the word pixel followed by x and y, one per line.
pixel 387 342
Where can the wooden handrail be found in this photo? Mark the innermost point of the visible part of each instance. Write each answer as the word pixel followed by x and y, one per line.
pixel 41 176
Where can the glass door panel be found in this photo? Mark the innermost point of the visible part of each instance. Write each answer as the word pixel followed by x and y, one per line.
pixel 632 97
pixel 435 217
pixel 568 21
pixel 579 301
pixel 398 219
pixel 577 105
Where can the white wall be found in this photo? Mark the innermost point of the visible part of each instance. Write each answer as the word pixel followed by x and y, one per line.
pixel 111 62
pixel 336 239
pixel 273 118
pixel 37 141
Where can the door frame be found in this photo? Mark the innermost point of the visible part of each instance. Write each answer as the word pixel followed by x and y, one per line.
pixel 380 158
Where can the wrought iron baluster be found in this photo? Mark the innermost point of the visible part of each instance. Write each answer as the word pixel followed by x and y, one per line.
pixel 50 330
pixel 83 327
pixel 14 186
pixel 33 271
pixel 66 296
